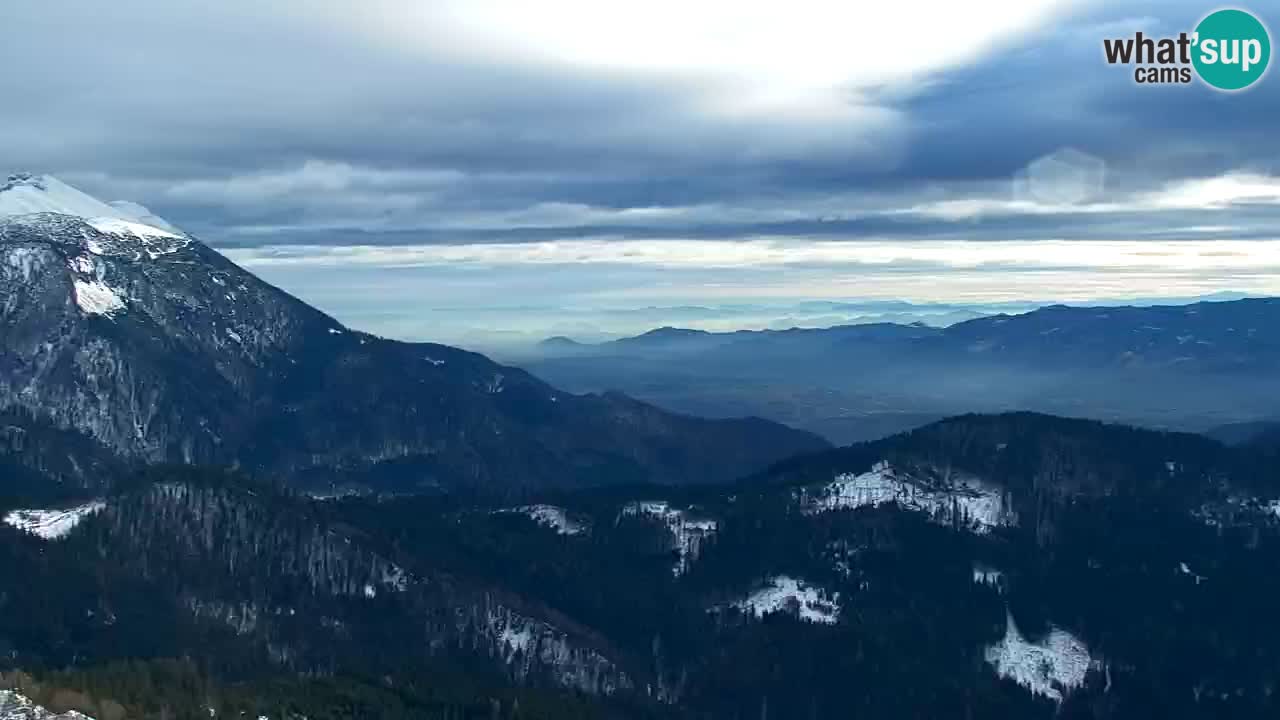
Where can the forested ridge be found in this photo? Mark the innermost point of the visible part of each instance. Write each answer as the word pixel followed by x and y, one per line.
pixel 1150 560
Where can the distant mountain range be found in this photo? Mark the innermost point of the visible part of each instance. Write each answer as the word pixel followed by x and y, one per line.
pixel 155 347
pixel 1259 432
pixel 1190 367
pixel 1228 336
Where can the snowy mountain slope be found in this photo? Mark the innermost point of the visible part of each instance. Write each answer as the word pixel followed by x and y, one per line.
pixel 142 214
pixel 15 706
pixel 991 471
pixel 963 500
pixel 161 349
pixel 784 593
pixel 550 516
pixel 688 531
pixel 52 524
pixel 1052 667
pixel 263 566
pixel 1123 597
pixel 116 337
pixel 27 194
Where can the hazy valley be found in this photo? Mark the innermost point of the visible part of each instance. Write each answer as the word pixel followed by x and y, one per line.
pixel 1189 367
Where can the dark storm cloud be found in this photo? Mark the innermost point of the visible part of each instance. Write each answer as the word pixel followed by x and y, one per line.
pixel 987 121
pixel 293 122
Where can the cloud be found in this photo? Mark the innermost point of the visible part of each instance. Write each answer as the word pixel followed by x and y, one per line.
pixel 927 255
pixel 683 148
pixel 312 177
pixel 422 207
pixel 1223 192
pixel 597 287
pixel 289 114
pixel 768 55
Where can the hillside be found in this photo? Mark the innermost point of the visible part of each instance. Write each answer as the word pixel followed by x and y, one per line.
pixel 1010 565
pixel 150 344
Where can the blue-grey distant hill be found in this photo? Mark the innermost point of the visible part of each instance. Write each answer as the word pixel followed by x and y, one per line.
pixel 1191 367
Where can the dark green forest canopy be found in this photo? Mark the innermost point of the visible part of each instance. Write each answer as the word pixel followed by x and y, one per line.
pixel 1155 551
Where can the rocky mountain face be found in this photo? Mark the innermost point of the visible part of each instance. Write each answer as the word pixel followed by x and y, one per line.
pixel 36 457
pixel 156 347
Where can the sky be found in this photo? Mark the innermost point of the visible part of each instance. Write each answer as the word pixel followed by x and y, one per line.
pixel 498 171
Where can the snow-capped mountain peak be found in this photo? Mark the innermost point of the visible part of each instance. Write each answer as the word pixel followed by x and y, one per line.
pixel 159 348
pixel 143 214
pixel 25 194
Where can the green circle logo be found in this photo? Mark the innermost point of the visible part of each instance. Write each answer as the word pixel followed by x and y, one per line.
pixel 1232 49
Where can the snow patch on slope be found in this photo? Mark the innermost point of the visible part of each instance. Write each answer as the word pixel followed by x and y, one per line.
pixel 975 504
pixel 52 524
pixel 1052 667
pixel 134 240
pixel 15 706
pixel 1186 570
pixel 983 575
pixel 688 532
pixel 1236 510
pixel 527 646
pixel 554 517
pixel 116 226
pixel 142 214
pixel 96 298
pixel 810 603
